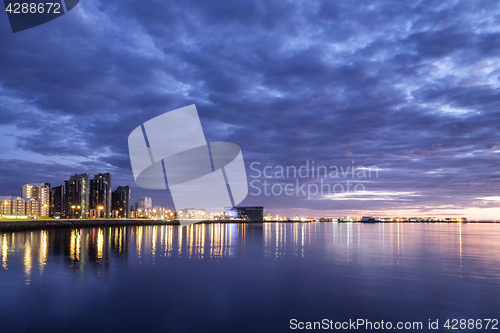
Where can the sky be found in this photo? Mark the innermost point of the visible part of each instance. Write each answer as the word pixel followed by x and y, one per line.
pixel 407 88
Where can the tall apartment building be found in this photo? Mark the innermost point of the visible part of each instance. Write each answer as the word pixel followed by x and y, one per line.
pixel 28 190
pixel 145 203
pixel 121 201
pixel 41 193
pixel 57 208
pixel 76 197
pixel 100 193
pixel 43 197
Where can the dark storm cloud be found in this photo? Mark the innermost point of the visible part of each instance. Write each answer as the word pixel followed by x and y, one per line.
pixel 409 87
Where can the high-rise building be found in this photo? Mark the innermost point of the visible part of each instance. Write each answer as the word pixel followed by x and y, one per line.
pixel 57 208
pixel 145 203
pixel 43 198
pixel 100 193
pixel 27 190
pixel 76 196
pixel 121 201
pixel 41 193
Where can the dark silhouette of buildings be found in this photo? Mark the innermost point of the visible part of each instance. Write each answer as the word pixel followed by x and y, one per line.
pixel 121 201
pixel 57 208
pixel 247 213
pixel 77 194
pixel 100 193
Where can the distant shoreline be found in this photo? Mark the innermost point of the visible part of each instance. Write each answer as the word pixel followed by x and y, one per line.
pixel 25 225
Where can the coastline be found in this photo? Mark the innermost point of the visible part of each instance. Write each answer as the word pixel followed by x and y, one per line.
pixel 25 225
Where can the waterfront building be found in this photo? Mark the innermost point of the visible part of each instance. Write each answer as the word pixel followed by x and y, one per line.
pixel 121 202
pixel 41 193
pixel 27 190
pixel 18 207
pixel 145 204
pixel 192 213
pixel 57 208
pixel 246 213
pixel 76 196
pixel 5 205
pixel 32 207
pixel 159 212
pixel 100 194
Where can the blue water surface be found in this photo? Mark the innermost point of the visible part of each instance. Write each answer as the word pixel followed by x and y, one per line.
pixel 248 277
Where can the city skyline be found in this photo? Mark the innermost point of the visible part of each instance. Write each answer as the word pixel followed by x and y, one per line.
pixel 80 196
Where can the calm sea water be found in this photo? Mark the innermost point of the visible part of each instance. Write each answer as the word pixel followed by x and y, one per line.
pixel 247 277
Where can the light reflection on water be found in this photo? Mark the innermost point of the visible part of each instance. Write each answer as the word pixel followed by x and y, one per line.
pixel 384 243
pixel 5 250
pixel 315 269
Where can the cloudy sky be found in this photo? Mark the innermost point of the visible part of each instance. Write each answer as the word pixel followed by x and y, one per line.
pixel 411 87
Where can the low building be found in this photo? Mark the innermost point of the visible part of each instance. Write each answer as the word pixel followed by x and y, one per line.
pixel 5 205
pixel 246 213
pixel 192 213
pixel 18 207
pixel 21 207
pixel 32 207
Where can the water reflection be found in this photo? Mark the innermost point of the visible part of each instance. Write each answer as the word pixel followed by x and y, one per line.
pixel 27 261
pixel 138 242
pixel 465 245
pixel 75 244
pixel 5 249
pixel 100 244
pixel 42 256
